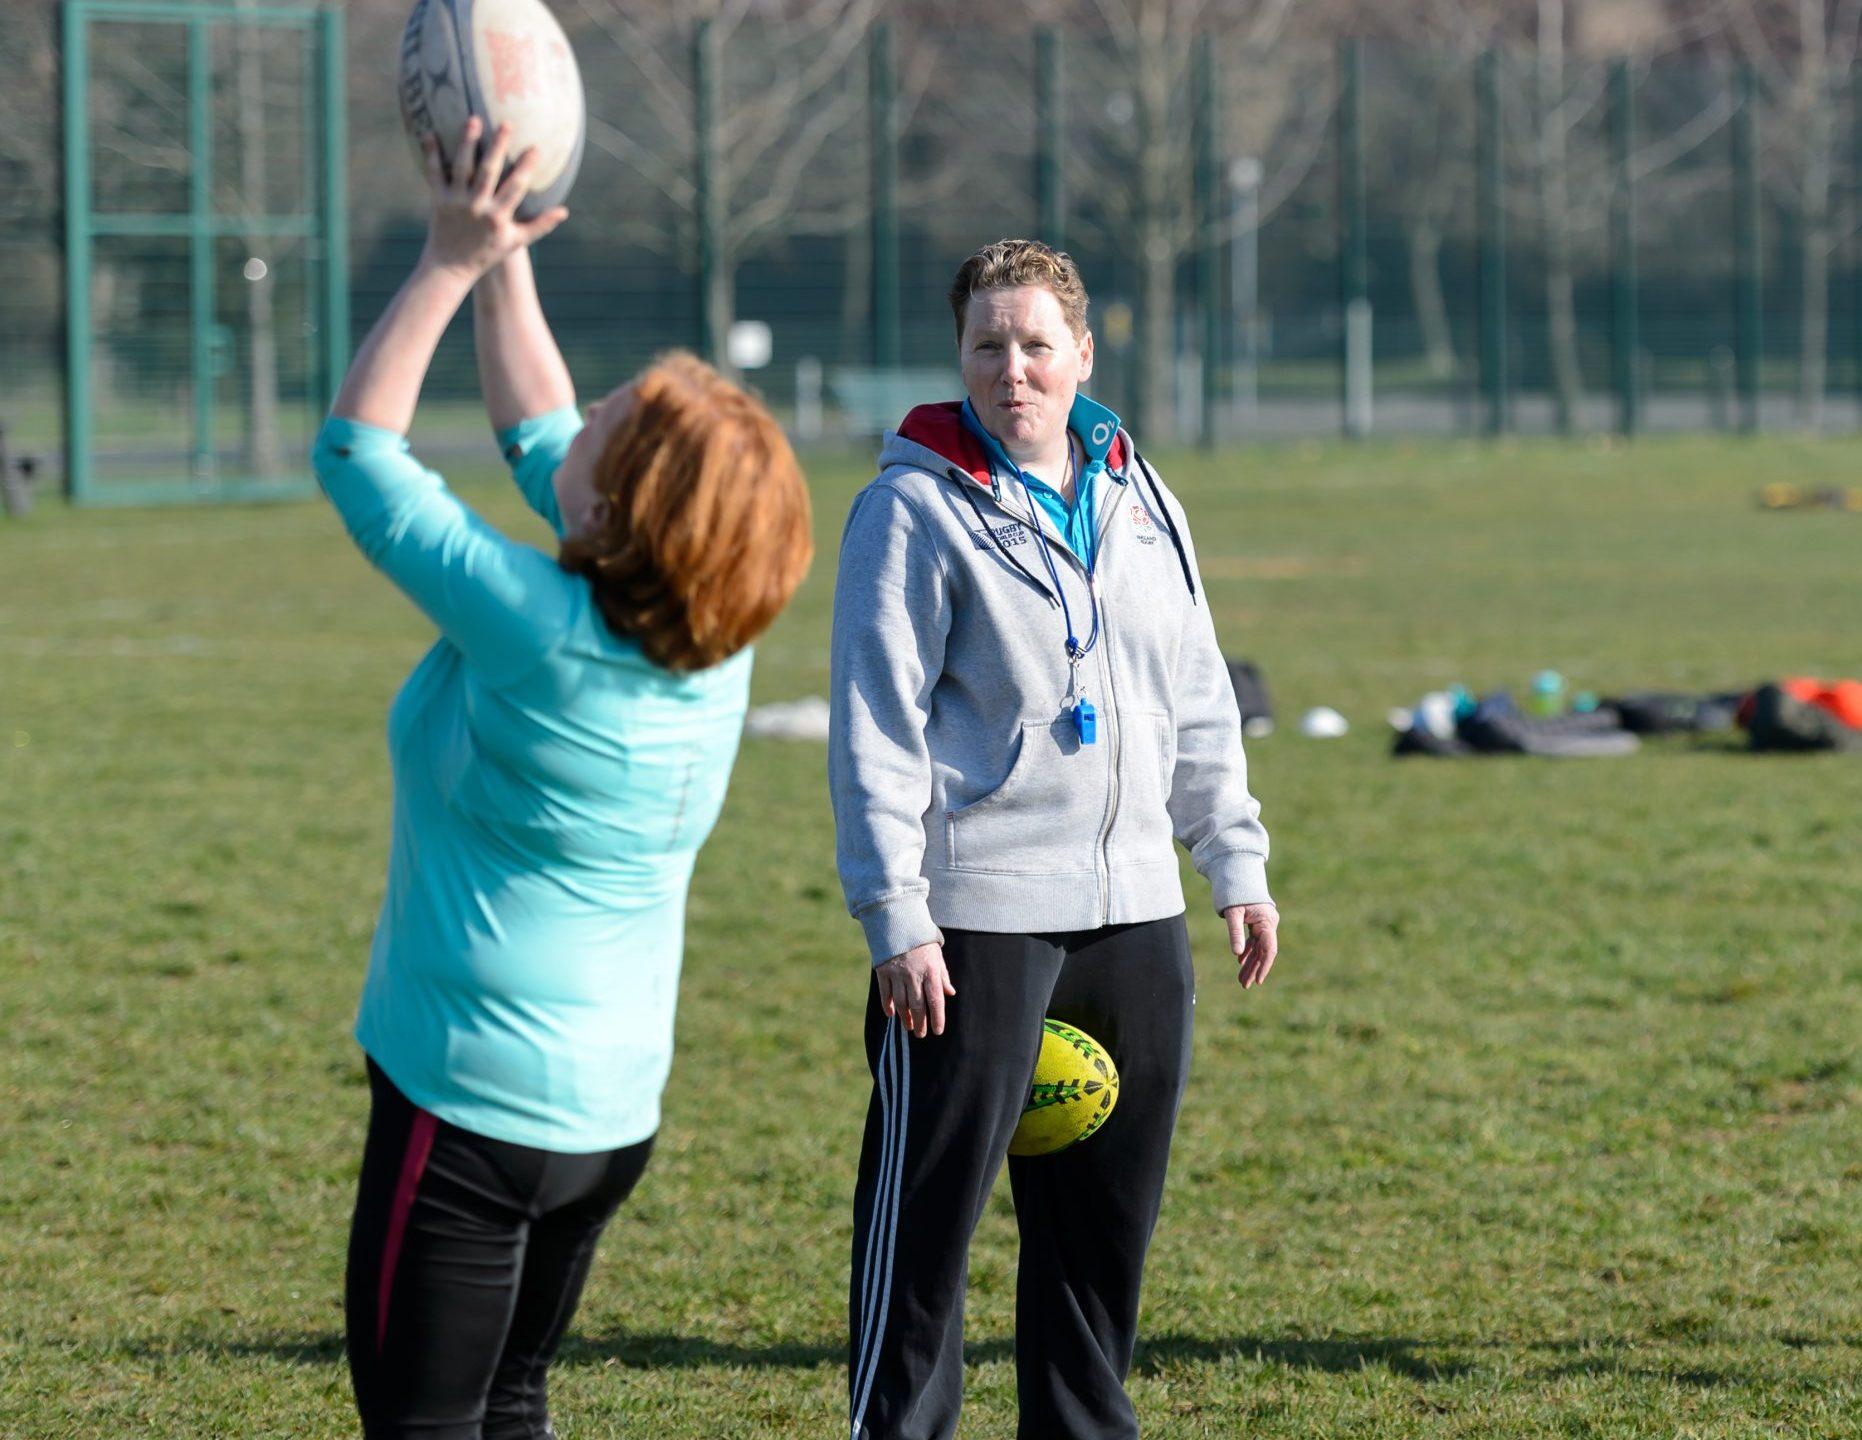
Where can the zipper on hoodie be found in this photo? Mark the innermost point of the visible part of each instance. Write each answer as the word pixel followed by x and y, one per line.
pixel 1102 858
pixel 1102 862
pixel 1114 731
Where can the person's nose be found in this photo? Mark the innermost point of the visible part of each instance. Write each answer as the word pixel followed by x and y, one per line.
pixel 1015 365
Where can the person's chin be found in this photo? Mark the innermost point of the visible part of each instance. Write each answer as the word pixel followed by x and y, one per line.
pixel 1019 425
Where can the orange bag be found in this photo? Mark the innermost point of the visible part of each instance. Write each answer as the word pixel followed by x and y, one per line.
pixel 1842 698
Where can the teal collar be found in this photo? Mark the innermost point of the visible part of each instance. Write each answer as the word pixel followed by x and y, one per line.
pixel 1095 425
pixel 1092 424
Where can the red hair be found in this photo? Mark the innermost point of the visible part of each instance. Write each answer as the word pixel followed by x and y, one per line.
pixel 707 528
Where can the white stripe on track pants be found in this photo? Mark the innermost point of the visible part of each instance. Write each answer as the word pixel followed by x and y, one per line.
pixel 937 1130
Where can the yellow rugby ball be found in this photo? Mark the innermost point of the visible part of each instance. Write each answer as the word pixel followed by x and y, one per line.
pixel 1075 1087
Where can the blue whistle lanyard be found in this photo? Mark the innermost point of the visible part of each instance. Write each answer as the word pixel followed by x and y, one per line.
pixel 1076 652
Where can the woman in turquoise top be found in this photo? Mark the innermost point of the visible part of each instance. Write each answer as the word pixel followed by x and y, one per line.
pixel 559 756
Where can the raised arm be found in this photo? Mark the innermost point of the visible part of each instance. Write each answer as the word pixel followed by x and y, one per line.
pixel 528 393
pixel 520 368
pixel 472 230
pixel 500 602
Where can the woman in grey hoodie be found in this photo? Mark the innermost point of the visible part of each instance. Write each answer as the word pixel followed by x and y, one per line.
pixel 1028 705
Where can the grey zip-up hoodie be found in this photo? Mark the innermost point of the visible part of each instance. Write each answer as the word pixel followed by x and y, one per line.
pixel 962 793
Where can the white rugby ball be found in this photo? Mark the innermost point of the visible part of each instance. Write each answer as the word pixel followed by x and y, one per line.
pixel 505 61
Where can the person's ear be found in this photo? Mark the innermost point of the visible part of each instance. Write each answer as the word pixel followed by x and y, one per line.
pixel 1086 357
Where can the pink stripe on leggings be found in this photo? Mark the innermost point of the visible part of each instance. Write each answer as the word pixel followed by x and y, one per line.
pixel 413 1164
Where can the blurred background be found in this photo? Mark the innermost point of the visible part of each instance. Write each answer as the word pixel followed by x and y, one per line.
pixel 1431 217
pixel 1549 1121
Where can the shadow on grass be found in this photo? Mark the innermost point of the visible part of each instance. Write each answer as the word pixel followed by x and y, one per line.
pixel 1408 1358
pixel 287 1349
pixel 1339 1355
pixel 1399 1356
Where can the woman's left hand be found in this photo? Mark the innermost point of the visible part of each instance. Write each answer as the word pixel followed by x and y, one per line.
pixel 1253 936
pixel 474 223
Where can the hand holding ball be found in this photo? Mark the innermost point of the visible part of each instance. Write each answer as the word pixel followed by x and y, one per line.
pixel 474 227
pixel 506 62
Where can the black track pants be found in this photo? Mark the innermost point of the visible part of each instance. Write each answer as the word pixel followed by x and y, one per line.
pixel 466 1259
pixel 938 1127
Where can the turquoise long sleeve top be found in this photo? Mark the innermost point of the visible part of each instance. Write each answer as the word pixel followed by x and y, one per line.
pixel 552 787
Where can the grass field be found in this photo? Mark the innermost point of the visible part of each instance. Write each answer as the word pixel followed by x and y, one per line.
pixel 1547 1123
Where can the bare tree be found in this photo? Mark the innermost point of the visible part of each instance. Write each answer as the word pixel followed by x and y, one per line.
pixel 1421 172
pixel 1565 188
pixel 29 201
pixel 1551 95
pixel 1146 136
pixel 29 156
pixel 1554 111
pixel 1805 54
pixel 137 103
pixel 790 93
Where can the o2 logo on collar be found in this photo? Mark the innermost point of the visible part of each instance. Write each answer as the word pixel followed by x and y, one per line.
pixel 1102 434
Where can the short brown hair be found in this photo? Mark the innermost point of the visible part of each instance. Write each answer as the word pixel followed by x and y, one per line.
pixel 1010 263
pixel 707 532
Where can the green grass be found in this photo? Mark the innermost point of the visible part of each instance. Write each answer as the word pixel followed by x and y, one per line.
pixel 1546 1124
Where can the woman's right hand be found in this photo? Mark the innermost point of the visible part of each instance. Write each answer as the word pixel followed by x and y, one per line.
pixel 913 986
pixel 473 226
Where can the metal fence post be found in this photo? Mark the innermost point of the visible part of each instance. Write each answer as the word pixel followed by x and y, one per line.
pixel 77 255
pixel 710 198
pixel 335 206
pixel 200 241
pixel 1624 331
pixel 1244 179
pixel 885 127
pixel 1208 238
pixel 1050 137
pixel 1493 243
pixel 1353 262
pixel 1855 181
pixel 1748 331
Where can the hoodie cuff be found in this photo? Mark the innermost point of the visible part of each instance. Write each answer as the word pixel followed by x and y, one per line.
pixel 1238 878
pixel 894 926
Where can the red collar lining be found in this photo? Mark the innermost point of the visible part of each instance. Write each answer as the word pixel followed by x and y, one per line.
pixel 940 428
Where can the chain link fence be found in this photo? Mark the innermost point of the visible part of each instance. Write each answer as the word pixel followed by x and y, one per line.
pixel 1282 236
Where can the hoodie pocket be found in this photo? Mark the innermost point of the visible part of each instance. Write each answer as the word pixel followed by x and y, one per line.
pixel 1017 828
pixel 1141 831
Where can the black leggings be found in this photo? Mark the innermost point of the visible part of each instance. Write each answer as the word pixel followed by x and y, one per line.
pixel 466 1259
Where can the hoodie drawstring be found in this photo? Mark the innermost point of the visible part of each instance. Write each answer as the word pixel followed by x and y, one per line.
pixel 1183 559
pixel 958 478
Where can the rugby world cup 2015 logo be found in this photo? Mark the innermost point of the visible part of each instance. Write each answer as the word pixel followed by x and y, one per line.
pixel 1004 535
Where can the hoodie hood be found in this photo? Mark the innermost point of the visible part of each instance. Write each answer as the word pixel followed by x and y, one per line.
pixel 938 439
